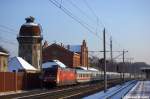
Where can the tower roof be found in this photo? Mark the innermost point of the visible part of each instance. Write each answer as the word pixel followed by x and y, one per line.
pixel 3 51
pixel 30 28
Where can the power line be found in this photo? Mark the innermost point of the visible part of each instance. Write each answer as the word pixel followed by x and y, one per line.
pixel 8 42
pixel 97 18
pixel 8 28
pixel 8 32
pixel 85 25
pixel 70 14
pixel 95 15
pixel 80 10
pixel 88 6
pixel 77 19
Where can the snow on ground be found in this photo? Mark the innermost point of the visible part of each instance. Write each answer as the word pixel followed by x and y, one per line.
pixel 140 91
pixel 113 90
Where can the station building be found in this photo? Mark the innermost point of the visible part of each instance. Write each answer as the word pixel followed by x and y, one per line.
pixel 70 55
pixel 146 70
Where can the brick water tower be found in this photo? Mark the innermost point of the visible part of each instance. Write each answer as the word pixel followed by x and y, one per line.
pixel 30 42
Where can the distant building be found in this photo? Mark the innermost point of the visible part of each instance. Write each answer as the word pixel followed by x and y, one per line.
pixel 30 43
pixel 3 60
pixel 70 55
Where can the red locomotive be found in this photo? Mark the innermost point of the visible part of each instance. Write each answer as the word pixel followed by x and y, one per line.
pixel 56 73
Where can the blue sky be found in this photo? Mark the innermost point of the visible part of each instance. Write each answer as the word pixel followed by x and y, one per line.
pixel 127 21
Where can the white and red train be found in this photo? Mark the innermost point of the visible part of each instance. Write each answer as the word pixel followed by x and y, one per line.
pixel 56 73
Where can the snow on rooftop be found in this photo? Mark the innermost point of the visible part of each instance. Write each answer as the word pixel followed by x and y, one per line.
pixel 73 48
pixel 17 63
pixel 144 68
pixel 30 24
pixel 2 53
pixel 53 63
pixel 89 68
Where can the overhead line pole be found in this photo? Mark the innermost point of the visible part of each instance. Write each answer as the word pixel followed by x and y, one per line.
pixel 111 52
pixel 123 63
pixel 105 76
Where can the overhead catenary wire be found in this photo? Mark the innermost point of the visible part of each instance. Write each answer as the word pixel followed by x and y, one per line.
pixel 93 13
pixel 88 6
pixel 66 11
pixel 8 28
pixel 81 11
pixel 7 32
pixel 77 19
pixel 97 20
pixel 8 42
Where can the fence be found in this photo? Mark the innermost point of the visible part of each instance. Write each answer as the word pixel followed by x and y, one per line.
pixel 11 81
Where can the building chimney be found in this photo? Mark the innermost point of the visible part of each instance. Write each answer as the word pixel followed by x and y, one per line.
pixel 68 47
pixel 45 44
pixel 61 44
pixel 84 43
pixel 29 19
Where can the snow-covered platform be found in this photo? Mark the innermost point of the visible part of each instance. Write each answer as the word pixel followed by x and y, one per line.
pixel 116 92
pixel 140 91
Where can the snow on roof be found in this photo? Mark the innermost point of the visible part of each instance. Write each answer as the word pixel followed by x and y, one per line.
pixel 30 24
pixel 2 53
pixel 145 68
pixel 89 68
pixel 53 63
pixel 17 63
pixel 73 48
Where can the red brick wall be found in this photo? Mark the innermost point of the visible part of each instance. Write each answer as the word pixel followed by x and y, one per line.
pixel 76 60
pixel 10 81
pixel 55 51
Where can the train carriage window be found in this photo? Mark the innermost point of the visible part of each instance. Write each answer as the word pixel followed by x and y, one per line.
pixel 79 75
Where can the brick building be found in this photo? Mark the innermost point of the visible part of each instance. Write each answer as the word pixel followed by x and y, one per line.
pixel 70 55
pixel 3 60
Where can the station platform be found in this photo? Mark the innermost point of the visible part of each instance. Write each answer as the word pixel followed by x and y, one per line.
pixel 140 91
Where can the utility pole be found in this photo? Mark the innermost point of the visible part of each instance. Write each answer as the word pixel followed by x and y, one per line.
pixel 123 63
pixel 105 76
pixel 111 55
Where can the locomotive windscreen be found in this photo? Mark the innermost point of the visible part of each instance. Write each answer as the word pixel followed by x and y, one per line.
pixel 51 70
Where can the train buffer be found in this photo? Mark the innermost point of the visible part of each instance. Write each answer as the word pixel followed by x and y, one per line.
pixel 116 92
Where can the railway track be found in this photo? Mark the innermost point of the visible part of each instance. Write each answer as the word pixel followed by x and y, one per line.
pixel 67 92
